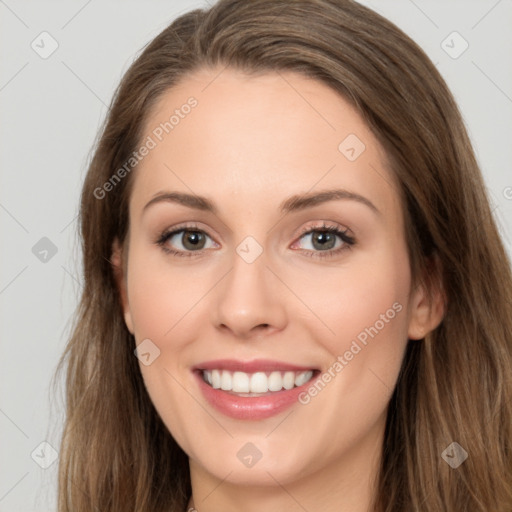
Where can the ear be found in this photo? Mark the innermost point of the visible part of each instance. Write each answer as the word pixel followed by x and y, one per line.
pixel 428 303
pixel 116 260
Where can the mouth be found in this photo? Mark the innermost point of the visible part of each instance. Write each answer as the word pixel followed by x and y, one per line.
pixel 255 384
pixel 252 390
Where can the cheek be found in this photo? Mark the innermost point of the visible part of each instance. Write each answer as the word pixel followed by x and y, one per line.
pixel 161 303
pixel 365 311
pixel 159 296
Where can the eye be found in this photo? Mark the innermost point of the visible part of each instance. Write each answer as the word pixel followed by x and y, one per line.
pixel 188 239
pixel 323 240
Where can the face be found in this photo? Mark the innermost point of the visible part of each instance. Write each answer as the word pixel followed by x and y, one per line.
pixel 292 273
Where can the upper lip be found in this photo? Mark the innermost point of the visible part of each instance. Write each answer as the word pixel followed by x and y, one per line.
pixel 256 365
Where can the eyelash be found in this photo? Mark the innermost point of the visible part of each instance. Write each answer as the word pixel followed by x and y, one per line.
pixel 348 241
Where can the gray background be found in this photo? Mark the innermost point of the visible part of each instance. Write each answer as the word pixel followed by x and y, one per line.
pixel 51 110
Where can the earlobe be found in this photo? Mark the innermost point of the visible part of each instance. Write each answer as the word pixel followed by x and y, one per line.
pixel 116 260
pixel 427 312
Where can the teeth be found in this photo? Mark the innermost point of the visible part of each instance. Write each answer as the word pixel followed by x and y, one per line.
pixel 215 377
pixel 302 378
pixel 241 382
pixel 289 380
pixel 259 382
pixel 275 381
pixel 226 381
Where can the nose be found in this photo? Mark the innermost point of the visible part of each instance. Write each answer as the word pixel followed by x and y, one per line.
pixel 249 300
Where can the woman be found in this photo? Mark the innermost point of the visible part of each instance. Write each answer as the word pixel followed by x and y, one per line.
pixel 340 340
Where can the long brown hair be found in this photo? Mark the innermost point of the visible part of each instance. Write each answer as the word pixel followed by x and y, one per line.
pixel 455 385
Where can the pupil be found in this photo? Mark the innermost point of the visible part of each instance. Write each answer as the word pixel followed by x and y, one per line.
pixel 194 238
pixel 323 237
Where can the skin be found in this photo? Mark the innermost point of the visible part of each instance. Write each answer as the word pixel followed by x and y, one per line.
pixel 252 142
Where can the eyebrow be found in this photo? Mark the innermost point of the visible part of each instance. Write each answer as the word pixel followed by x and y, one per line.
pixel 293 203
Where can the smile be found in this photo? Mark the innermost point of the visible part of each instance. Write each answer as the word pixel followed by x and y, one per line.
pixel 252 390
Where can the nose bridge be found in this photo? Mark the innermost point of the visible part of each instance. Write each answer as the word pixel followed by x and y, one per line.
pixel 247 299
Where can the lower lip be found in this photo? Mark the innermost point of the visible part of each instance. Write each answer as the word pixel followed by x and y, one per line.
pixel 250 408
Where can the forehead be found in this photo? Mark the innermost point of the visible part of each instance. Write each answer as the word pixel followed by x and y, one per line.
pixel 257 138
